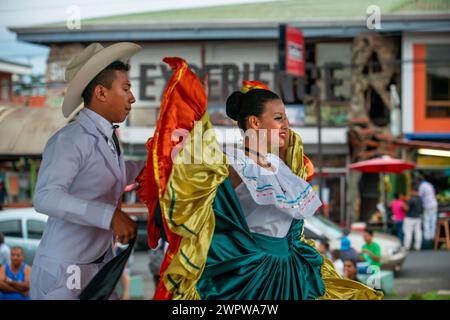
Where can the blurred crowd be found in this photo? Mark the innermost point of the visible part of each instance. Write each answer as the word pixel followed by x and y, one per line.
pixel 348 261
pixel 415 215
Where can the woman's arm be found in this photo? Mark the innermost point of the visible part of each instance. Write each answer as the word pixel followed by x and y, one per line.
pixel 234 177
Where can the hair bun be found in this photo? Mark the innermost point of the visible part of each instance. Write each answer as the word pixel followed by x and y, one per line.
pixel 234 102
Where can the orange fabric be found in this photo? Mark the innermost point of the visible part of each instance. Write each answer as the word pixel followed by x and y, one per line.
pixel 309 168
pixel 184 102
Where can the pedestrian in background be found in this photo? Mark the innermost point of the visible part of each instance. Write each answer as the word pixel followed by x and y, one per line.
pixel 338 263
pixel 371 251
pixel 398 207
pixel 15 277
pixel 324 249
pixel 156 259
pixel 350 270
pixel 413 220
pixel 4 251
pixel 430 208
pixel 347 252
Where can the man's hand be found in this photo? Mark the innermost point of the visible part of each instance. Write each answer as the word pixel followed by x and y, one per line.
pixel 123 226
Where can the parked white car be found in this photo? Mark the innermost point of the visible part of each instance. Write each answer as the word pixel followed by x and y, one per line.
pixel 24 228
pixel 392 253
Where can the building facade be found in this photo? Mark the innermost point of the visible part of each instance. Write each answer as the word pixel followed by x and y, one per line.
pixel 233 51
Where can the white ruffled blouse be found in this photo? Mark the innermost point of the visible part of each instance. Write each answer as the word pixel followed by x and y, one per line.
pixel 271 199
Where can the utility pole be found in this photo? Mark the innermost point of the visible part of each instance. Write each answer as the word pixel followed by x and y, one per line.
pixel 319 140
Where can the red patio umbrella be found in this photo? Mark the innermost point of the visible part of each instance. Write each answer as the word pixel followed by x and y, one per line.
pixel 384 164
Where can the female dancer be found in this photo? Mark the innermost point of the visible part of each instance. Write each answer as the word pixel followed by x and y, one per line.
pixel 235 229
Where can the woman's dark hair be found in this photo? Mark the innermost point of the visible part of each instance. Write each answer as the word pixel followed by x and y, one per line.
pixel 240 105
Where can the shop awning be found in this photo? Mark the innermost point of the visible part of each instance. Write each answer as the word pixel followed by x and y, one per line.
pixel 24 131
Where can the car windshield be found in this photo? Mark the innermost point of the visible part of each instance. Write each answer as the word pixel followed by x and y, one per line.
pixel 331 229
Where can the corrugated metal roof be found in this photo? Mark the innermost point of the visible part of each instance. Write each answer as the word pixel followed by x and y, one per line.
pixel 228 30
pixel 14 68
pixel 276 10
pixel 24 131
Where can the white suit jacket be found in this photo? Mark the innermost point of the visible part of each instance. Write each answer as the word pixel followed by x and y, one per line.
pixel 80 183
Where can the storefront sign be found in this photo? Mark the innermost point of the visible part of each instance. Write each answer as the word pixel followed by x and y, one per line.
pixel 226 78
pixel 291 51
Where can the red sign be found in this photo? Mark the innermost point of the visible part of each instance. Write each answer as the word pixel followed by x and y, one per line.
pixel 291 51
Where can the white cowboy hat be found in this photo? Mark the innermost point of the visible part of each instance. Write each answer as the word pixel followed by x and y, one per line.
pixel 89 63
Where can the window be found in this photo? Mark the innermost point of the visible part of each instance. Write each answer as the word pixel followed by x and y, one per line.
pixel 35 229
pixel 11 228
pixel 438 81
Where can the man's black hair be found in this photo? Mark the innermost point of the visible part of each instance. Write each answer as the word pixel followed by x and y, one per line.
pixel 104 78
pixel 18 248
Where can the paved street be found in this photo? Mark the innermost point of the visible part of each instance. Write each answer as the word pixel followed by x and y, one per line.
pixel 140 267
pixel 422 272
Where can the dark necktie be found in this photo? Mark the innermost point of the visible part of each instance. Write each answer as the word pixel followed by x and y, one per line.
pixel 116 141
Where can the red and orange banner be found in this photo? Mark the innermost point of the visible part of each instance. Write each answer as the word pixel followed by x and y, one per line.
pixel 184 102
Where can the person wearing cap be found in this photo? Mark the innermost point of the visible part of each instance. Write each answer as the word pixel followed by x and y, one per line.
pixel 83 175
pixel 347 252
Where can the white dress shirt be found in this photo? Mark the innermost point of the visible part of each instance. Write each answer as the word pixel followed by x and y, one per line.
pixel 105 128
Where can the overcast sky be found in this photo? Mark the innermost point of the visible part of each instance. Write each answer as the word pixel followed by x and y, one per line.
pixel 29 12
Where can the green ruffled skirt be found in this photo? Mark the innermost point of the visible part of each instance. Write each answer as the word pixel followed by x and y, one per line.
pixel 244 265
